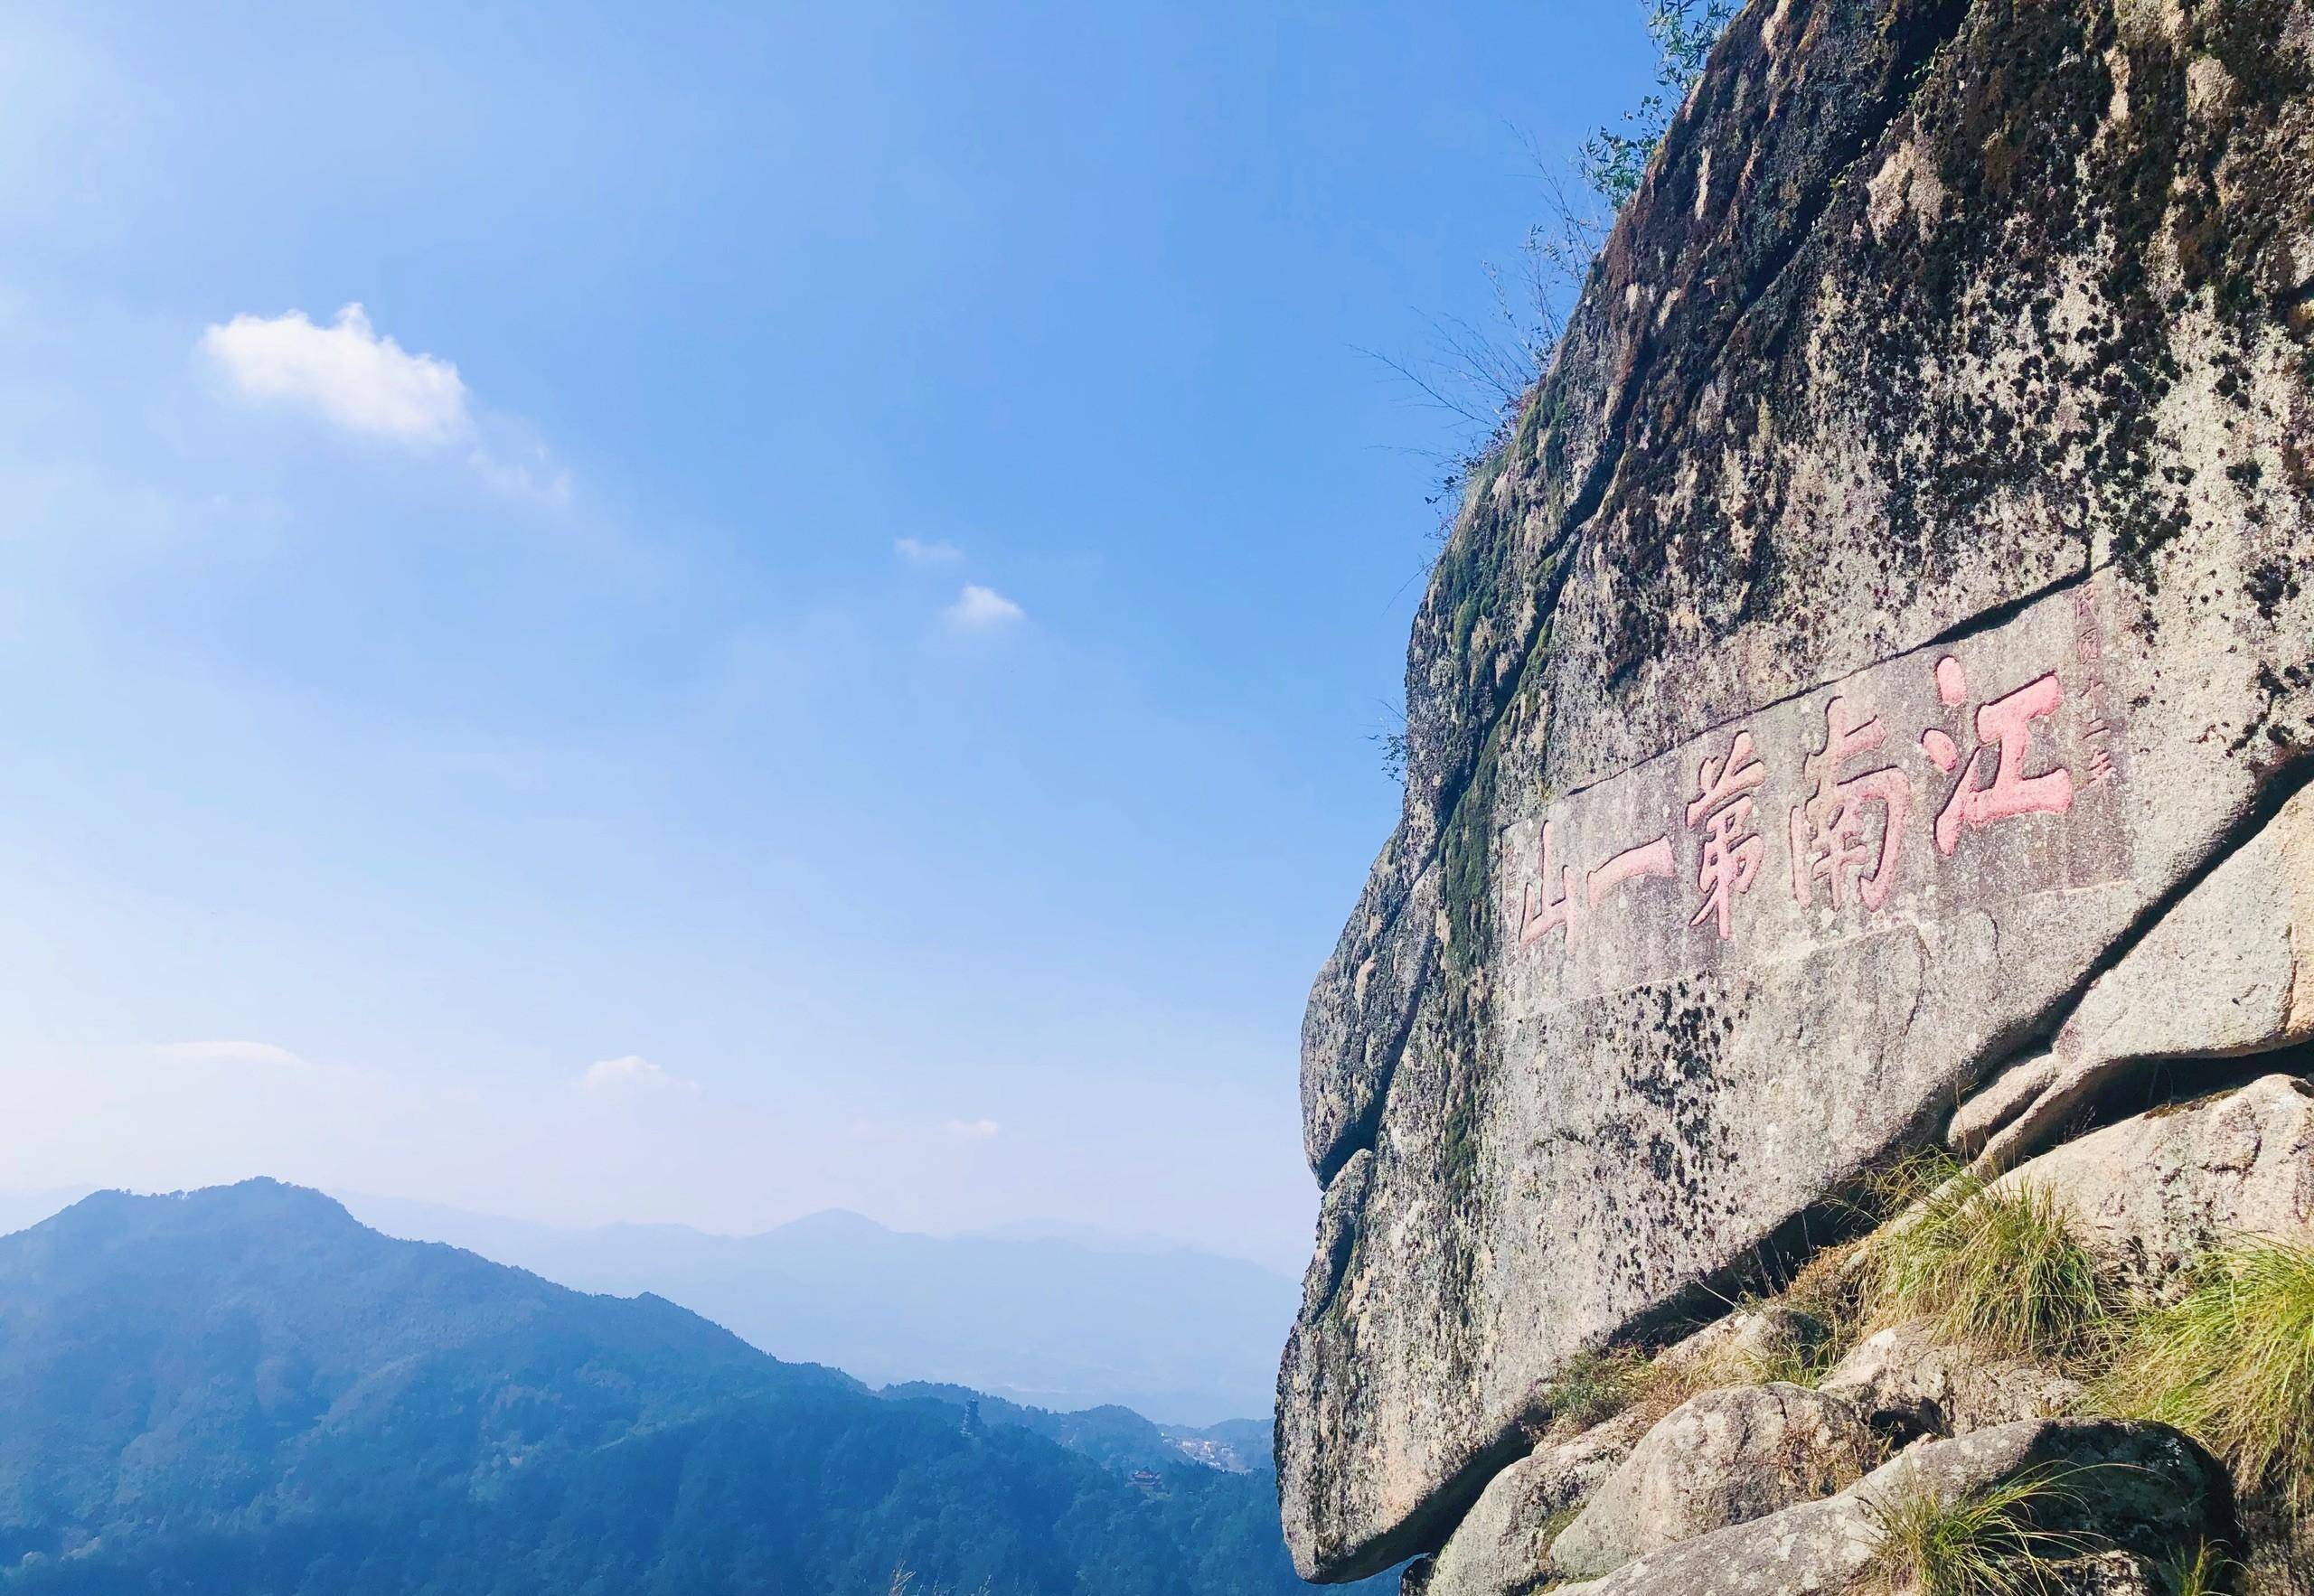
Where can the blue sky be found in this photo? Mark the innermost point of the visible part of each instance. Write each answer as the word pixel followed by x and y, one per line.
pixel 813 643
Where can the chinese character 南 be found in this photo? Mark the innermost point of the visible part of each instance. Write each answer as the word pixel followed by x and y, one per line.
pixel 2004 729
pixel 1830 841
pixel 1732 850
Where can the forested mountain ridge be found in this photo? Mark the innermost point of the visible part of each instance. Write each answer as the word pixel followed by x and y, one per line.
pixel 244 1389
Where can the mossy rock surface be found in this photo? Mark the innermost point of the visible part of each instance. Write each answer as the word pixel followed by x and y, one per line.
pixel 1937 418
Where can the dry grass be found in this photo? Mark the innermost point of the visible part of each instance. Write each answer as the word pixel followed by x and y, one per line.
pixel 1989 1543
pixel 2199 1570
pixel 2002 1270
pixel 2231 1363
pixel 1596 1386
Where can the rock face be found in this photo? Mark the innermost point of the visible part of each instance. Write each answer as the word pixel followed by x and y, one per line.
pixel 2228 971
pixel 1503 1543
pixel 2153 1191
pixel 1904 1382
pixel 2145 1488
pixel 1857 674
pixel 1727 1457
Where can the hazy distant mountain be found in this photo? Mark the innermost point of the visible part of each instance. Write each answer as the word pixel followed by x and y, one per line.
pixel 21 1208
pixel 1045 1315
pixel 244 1390
pixel 1114 1437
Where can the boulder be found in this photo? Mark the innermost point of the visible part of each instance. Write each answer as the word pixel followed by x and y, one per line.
pixel 2154 1191
pixel 1887 614
pixel 2229 971
pixel 1503 1545
pixel 2143 1489
pixel 1742 1348
pixel 1726 1457
pixel 1906 1382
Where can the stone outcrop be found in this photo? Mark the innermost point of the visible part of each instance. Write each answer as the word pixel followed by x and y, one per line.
pixel 2153 1192
pixel 1726 1457
pixel 1876 660
pixel 1907 1382
pixel 2229 971
pixel 1503 1545
pixel 2145 1489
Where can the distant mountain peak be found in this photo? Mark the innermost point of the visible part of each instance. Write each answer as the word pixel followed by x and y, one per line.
pixel 834 1221
pixel 260 1197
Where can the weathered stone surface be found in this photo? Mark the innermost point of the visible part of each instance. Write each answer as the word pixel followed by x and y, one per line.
pixel 1362 1005
pixel 1739 1348
pixel 2106 1573
pixel 2154 1191
pixel 1499 1548
pixel 1934 426
pixel 1727 1457
pixel 2228 971
pixel 1502 1545
pixel 1907 1382
pixel 2146 1489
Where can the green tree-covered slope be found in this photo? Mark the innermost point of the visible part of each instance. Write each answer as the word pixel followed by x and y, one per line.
pixel 244 1389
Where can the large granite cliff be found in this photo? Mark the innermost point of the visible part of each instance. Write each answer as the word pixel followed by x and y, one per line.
pixel 1893 611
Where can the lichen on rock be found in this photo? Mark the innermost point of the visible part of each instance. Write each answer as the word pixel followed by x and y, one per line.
pixel 1870 682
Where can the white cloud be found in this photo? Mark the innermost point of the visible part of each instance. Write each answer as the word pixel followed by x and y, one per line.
pixel 349 373
pixel 360 380
pixel 917 551
pixel 631 1073
pixel 970 1129
pixel 260 1054
pixel 982 609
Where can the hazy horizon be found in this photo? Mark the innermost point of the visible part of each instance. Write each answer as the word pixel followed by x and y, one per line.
pixel 21 1207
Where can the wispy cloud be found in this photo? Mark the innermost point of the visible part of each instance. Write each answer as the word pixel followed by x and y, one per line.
pixel 631 1073
pixel 253 1054
pixel 982 609
pixel 362 382
pixel 918 552
pixel 925 1133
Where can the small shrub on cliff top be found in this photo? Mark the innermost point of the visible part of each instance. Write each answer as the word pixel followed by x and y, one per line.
pixel 2001 1270
pixel 1989 1543
pixel 2231 1363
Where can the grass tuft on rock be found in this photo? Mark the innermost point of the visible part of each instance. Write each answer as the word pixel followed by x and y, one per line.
pixel 1989 1543
pixel 2199 1570
pixel 2232 1362
pixel 1595 1386
pixel 2000 1269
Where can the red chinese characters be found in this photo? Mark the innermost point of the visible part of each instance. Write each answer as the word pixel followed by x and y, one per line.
pixel 2004 729
pixel 1848 797
pixel 1732 850
pixel 1831 841
pixel 1537 922
pixel 1569 911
